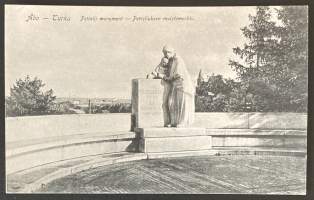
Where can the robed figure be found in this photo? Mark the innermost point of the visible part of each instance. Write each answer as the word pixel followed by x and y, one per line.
pixel 181 98
pixel 179 91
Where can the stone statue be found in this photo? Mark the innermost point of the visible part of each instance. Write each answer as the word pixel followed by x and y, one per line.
pixel 178 96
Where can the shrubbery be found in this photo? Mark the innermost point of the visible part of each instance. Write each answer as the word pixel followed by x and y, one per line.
pixel 27 98
pixel 109 108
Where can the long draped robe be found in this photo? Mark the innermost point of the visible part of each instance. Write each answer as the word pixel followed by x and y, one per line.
pixel 164 72
pixel 181 98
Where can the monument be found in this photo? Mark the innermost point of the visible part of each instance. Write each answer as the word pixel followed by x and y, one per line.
pixel 147 123
pixel 163 109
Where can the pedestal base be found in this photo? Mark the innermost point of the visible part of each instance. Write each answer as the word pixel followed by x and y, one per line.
pixel 159 140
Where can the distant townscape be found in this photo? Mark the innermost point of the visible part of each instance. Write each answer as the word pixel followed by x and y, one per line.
pixel 94 105
pixel 81 101
pixel 28 98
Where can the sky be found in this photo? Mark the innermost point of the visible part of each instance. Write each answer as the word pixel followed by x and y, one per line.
pixel 98 59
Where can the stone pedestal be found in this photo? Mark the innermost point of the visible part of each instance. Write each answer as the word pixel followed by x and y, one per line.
pixel 147 122
pixel 146 103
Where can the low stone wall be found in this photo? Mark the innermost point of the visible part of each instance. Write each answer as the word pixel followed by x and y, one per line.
pixel 35 127
pixel 267 130
pixel 272 121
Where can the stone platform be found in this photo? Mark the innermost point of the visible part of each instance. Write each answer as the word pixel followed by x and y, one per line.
pixel 160 140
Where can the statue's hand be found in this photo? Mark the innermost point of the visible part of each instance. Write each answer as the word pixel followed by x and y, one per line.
pixel 150 76
pixel 159 76
pixel 177 77
pixel 165 78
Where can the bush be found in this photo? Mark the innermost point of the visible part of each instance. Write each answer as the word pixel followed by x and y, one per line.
pixel 27 98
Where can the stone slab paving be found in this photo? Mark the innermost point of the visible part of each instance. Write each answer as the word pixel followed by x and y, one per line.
pixel 202 174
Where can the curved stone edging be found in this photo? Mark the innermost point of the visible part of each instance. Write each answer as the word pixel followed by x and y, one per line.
pixel 70 148
pixel 70 140
pixel 31 188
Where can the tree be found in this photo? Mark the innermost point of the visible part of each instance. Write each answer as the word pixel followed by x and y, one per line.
pixel 238 98
pixel 27 98
pixel 201 85
pixel 213 95
pixel 294 47
pixel 276 55
pixel 256 52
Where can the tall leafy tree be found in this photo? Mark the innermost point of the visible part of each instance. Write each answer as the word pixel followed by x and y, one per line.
pixel 293 46
pixel 258 47
pixel 276 54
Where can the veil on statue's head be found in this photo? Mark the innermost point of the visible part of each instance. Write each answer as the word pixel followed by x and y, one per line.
pixel 168 47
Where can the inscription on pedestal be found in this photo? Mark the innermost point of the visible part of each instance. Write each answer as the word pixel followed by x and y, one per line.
pixel 146 103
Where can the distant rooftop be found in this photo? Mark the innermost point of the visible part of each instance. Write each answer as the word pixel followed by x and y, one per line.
pixel 83 100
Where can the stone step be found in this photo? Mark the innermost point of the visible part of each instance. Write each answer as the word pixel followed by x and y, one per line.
pixel 177 132
pixel 277 139
pixel 219 151
pixel 256 132
pixel 271 151
pixel 177 144
pixel 160 132
pixel 160 139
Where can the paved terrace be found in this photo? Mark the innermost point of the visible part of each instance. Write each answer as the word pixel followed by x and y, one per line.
pixel 202 174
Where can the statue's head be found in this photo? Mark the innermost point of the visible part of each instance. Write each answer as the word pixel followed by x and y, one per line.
pixel 168 51
pixel 164 61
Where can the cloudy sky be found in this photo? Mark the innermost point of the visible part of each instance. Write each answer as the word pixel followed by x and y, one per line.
pixel 100 58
